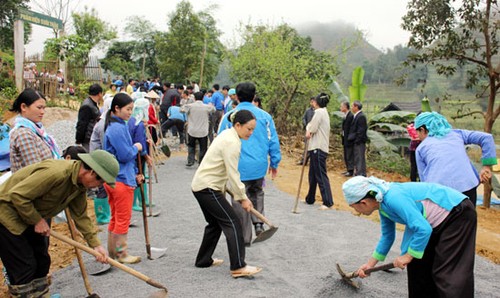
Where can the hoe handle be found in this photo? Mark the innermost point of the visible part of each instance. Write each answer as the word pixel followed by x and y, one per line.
pixel 261 217
pixel 370 270
pixel 109 260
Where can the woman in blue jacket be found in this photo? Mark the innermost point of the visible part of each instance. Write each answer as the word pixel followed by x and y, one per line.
pixel 441 156
pixel 118 142
pixel 438 246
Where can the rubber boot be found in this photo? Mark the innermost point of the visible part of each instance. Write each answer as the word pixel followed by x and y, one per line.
pixel 111 245
pixel 122 250
pixel 41 287
pixel 37 288
pixel 138 199
pixel 102 211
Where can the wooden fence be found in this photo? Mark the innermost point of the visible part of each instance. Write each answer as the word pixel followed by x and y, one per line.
pixel 46 77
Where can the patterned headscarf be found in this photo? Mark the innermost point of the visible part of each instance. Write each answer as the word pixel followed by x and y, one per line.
pixel 436 124
pixel 358 187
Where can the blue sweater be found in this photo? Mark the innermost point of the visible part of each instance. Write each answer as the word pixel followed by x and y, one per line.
pixel 174 112
pixel 118 142
pixel 402 204
pixel 261 144
pixel 138 134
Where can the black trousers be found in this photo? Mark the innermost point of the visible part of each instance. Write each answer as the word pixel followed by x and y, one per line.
pixel 472 194
pixel 220 217
pixel 413 167
pixel 319 177
pixel 179 124
pixel 26 256
pixel 216 117
pixel 203 142
pixel 447 267
pixel 359 159
pixel 349 157
pixel 154 134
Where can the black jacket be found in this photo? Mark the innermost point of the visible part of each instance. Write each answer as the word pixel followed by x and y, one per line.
pixel 359 127
pixel 88 115
pixel 308 115
pixel 346 128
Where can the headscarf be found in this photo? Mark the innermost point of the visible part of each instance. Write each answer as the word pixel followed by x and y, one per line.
pixel 436 124
pixel 37 128
pixel 141 105
pixel 358 187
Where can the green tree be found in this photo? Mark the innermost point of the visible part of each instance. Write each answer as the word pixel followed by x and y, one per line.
pixel 8 13
pixel 285 68
pixel 141 30
pixel 451 35
pixel 91 29
pixel 119 59
pixel 213 49
pixel 71 48
pixel 181 50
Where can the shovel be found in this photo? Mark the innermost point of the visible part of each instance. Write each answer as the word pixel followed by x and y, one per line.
pixel 152 252
pixel 164 147
pixel 72 231
pixel 304 159
pixel 348 277
pixel 96 268
pixel 267 233
pixel 151 282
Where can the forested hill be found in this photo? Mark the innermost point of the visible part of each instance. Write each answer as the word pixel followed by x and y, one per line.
pixel 332 37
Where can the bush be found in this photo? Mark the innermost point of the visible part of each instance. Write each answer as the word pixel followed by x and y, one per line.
pixel 392 163
pixel 82 90
pixel 7 96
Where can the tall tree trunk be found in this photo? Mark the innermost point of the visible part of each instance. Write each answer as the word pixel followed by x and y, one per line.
pixel 202 64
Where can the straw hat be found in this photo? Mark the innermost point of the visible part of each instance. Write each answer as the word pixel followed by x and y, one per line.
pixel 152 94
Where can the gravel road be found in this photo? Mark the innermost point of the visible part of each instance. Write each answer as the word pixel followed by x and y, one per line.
pixel 298 261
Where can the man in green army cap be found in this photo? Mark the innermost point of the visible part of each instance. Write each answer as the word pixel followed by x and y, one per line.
pixel 40 191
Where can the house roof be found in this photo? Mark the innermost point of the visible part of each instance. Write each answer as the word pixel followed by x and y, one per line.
pixel 410 106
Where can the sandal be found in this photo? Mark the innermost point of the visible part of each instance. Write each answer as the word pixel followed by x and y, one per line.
pixel 217 262
pixel 245 271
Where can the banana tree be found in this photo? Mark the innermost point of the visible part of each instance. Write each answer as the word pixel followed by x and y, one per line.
pixel 357 90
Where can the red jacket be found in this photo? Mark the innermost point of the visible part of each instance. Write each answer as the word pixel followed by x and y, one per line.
pixel 152 115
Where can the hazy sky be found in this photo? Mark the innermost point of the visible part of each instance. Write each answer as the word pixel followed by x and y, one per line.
pixel 379 19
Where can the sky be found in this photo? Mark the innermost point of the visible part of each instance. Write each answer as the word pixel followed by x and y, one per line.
pixel 380 20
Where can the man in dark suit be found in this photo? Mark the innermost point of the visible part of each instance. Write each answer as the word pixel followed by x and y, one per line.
pixel 348 146
pixel 358 136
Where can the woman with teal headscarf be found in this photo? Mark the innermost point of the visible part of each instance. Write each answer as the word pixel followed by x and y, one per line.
pixel 441 157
